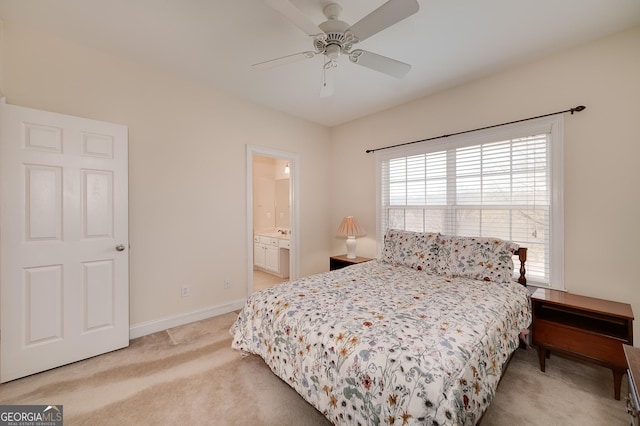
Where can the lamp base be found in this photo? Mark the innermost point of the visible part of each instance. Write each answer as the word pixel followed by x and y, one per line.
pixel 351 247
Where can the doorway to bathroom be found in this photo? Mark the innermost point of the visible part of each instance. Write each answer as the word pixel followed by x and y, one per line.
pixel 272 219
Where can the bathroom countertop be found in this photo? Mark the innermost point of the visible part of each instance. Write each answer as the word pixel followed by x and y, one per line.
pixel 273 234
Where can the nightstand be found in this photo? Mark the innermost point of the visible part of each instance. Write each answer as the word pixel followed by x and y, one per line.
pixel 339 262
pixel 587 328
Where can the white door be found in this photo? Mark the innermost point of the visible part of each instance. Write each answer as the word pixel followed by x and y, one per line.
pixel 64 267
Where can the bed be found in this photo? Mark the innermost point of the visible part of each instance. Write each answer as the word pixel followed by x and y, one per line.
pixel 420 335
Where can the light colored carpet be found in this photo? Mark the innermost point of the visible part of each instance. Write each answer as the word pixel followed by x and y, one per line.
pixel 190 375
pixel 262 280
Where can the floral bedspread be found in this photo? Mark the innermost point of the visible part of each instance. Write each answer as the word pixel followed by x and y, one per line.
pixel 377 343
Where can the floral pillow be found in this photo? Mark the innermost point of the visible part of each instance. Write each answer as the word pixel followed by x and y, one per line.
pixel 486 259
pixel 418 250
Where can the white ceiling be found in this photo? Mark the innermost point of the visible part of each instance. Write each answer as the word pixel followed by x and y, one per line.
pixel 214 42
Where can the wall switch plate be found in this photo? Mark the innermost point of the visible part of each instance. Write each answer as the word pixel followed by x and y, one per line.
pixel 185 291
pixel 227 283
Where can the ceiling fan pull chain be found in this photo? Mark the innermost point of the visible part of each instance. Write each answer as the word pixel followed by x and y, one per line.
pixel 325 67
pixel 324 75
pixel 326 89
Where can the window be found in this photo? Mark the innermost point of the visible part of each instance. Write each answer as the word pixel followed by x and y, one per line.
pixel 504 182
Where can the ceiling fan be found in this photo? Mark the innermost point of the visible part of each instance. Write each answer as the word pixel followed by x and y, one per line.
pixel 334 38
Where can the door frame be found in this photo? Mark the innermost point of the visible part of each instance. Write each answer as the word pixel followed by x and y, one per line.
pixel 294 184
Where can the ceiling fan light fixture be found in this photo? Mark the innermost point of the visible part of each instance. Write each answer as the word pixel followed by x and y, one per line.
pixel 333 51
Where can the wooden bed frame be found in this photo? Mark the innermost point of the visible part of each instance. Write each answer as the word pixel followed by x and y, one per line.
pixel 522 255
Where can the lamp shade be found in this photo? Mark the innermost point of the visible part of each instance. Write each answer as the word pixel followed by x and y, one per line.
pixel 349 228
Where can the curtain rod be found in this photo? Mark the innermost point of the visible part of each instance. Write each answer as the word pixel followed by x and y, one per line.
pixel 571 110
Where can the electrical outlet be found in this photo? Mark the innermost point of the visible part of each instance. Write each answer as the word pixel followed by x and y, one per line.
pixel 185 291
pixel 227 283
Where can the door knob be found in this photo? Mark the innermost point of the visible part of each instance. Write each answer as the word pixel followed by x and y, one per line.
pixel 120 247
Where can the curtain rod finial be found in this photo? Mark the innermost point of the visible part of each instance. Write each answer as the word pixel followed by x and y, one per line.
pixel 578 109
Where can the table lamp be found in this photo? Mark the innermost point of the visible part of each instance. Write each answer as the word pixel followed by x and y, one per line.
pixel 349 228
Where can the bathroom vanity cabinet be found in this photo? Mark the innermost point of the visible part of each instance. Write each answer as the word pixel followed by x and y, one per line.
pixel 271 255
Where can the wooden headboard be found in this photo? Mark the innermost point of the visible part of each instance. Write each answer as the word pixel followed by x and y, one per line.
pixel 522 255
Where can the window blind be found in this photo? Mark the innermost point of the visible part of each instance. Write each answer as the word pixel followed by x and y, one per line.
pixel 484 185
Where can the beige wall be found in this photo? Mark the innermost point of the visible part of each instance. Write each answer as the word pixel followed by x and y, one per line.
pixel 187 167
pixel 602 151
pixel 185 227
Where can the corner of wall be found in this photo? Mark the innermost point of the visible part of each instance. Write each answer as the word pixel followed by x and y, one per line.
pixel 2 98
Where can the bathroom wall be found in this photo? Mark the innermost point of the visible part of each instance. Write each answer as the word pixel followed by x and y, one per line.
pixel 263 193
pixel 282 203
pixel 270 194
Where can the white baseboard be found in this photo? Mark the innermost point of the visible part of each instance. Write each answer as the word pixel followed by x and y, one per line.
pixel 142 329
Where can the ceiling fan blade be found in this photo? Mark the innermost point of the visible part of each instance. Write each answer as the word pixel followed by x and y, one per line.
pixel 284 60
pixel 295 16
pixel 379 63
pixel 383 17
